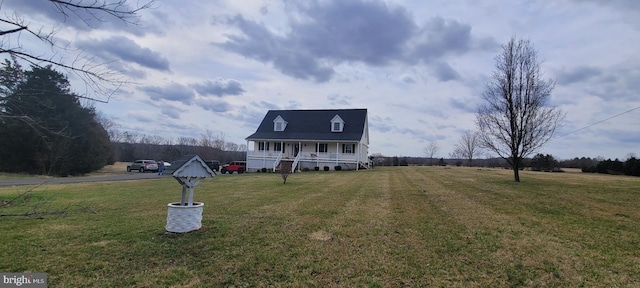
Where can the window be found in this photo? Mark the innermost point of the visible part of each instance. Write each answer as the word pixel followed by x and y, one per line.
pixel 277 146
pixel 322 148
pixel 263 146
pixel 337 124
pixel 279 124
pixel 348 148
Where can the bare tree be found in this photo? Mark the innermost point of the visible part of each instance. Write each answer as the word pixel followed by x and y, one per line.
pixel 156 140
pixel 207 138
pixel 230 146
pixel 18 31
pixel 431 150
pixel 110 126
pixel 218 141
pixel 131 137
pixel 515 118
pixel 468 147
pixel 631 155
pixel 183 141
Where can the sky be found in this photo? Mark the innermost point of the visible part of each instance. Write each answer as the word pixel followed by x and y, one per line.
pixel 419 67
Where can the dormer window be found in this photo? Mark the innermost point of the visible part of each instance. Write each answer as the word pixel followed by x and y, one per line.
pixel 337 124
pixel 279 124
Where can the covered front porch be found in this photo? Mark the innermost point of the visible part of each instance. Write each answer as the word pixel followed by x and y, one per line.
pixel 306 154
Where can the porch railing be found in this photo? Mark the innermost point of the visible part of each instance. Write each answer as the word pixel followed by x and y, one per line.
pixel 278 159
pixel 295 163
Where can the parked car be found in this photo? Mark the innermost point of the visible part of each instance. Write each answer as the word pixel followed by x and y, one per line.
pixel 143 166
pixel 213 165
pixel 234 166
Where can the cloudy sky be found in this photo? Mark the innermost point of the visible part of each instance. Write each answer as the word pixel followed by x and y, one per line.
pixel 419 67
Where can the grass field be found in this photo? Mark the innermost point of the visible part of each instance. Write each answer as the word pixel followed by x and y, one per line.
pixel 385 227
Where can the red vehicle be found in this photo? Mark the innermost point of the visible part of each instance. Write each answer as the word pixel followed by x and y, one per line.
pixel 234 166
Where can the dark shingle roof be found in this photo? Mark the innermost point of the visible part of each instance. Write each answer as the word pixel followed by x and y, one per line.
pixel 312 125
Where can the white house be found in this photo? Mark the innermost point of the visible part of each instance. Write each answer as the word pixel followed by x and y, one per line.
pixel 310 138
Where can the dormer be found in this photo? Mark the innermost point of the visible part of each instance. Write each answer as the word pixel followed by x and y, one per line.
pixel 337 124
pixel 279 124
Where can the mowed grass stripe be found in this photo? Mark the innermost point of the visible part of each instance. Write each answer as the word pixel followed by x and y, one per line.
pixel 456 229
pixel 386 227
pixel 560 218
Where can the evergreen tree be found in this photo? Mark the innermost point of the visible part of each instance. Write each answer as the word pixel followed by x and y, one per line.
pixel 542 162
pixel 44 129
pixel 632 167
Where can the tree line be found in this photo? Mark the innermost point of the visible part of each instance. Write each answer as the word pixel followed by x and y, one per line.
pixel 131 145
pixel 540 162
pixel 127 152
pixel 630 167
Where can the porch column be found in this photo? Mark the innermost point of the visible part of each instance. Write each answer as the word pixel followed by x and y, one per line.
pixel 246 154
pixel 358 155
pixel 264 154
pixel 337 152
pixel 299 154
pixel 317 154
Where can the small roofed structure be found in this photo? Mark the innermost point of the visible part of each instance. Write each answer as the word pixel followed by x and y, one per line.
pixel 186 215
pixel 191 169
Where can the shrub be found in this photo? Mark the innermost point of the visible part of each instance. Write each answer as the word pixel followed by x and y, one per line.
pixel 326 168
pixel 317 168
pixel 264 170
pixel 337 168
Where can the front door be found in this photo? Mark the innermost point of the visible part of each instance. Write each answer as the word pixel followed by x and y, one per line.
pixel 296 149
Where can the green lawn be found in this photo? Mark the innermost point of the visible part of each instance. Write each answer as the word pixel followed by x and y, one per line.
pixel 386 227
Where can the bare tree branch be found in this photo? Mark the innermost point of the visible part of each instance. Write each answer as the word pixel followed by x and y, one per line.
pixel 24 198
pixel 101 82
pixel 36 209
pixel 38 213
pixel 118 9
